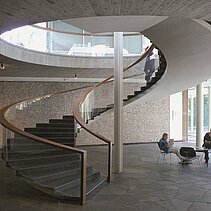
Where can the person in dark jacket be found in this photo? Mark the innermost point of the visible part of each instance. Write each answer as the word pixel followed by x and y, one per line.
pixel 207 140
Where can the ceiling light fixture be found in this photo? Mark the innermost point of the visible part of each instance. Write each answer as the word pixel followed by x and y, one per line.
pixel 2 67
pixel 75 76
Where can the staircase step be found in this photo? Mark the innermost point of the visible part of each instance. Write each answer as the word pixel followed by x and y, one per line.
pixel 158 74
pixel 34 151
pixel 62 139
pixel 110 106
pixel 35 146
pixel 36 172
pixel 61 121
pixel 130 96
pixel 71 178
pixel 154 80
pixel 99 110
pixel 25 142
pixel 68 117
pixel 94 184
pixel 149 85
pixel 40 161
pixel 53 170
pixel 144 88
pixel 49 129
pixel 94 181
pixel 19 138
pixel 58 125
pixel 137 92
pixel 50 134
pixel 37 154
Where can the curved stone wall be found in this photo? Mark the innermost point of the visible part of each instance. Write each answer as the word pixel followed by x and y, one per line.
pixel 41 58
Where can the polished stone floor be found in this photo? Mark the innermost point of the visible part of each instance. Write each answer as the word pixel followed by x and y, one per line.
pixel 144 185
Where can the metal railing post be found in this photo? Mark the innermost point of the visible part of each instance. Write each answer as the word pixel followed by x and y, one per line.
pixel 83 177
pixel 5 145
pixel 109 162
pixel 4 135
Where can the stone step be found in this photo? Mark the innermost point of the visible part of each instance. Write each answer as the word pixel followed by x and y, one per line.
pixel 62 180
pixel 58 125
pixel 36 172
pixel 51 134
pixel 49 129
pixel 21 139
pixel 94 183
pixel 144 88
pixel 68 117
pixel 20 146
pixel 32 162
pixel 137 92
pixel 61 121
pixel 37 154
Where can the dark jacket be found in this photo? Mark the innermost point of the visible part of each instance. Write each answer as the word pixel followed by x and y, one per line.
pixel 207 138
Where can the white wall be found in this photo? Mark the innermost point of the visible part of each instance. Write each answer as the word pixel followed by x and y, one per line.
pixel 176 116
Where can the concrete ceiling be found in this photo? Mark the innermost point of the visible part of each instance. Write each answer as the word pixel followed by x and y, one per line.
pixel 103 24
pixel 21 12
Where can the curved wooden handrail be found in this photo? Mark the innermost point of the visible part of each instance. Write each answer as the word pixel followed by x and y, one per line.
pixel 83 153
pixel 76 113
pixel 80 100
pixel 8 125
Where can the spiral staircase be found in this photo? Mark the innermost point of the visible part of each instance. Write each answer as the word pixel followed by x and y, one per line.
pixel 46 156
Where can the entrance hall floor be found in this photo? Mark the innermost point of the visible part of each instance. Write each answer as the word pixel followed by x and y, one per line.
pixel 144 185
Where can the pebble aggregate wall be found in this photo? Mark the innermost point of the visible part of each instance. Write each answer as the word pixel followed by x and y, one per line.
pixel 142 122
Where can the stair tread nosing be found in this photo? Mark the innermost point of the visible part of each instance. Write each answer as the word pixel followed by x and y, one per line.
pixel 38 171
pixel 49 129
pixel 44 151
pixel 38 156
pixel 59 124
pixel 93 182
pixel 25 143
pixel 61 120
pixel 62 180
pixel 49 174
pixel 53 132
pixel 55 138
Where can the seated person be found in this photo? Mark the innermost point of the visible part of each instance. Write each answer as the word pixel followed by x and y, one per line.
pixel 207 140
pixel 166 146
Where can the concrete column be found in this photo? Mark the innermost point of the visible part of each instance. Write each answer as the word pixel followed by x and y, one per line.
pixel 209 107
pixel 192 113
pixel 49 37
pixel 118 101
pixel 185 115
pixel 200 114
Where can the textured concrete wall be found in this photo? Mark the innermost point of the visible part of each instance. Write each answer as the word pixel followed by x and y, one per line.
pixel 143 122
pixel 40 111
